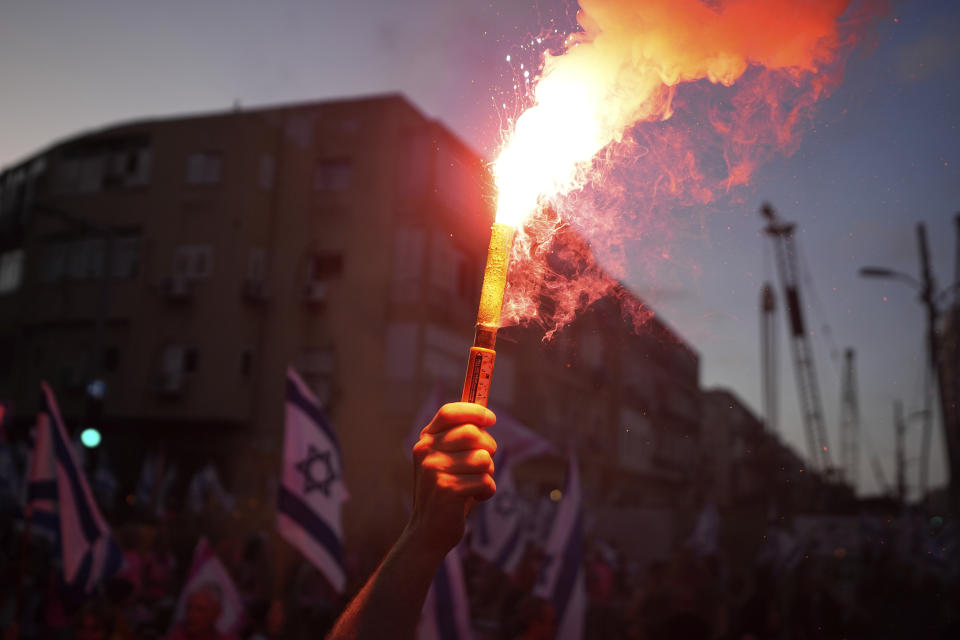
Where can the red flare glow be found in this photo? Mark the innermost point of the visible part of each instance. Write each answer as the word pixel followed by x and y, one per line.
pixel 654 105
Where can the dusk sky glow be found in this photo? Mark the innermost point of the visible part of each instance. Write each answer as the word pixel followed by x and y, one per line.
pixel 883 154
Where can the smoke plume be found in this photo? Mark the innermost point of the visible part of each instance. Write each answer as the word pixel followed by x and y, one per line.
pixel 653 106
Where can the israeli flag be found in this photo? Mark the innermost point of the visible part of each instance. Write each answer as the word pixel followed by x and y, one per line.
pixel 502 525
pixel 204 485
pixel 58 491
pixel 561 579
pixel 312 491
pixel 446 610
pixel 41 499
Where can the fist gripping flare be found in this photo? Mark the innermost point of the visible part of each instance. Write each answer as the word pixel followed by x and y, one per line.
pixel 452 466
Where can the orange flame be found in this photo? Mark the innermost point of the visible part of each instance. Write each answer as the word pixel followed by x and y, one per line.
pixel 640 62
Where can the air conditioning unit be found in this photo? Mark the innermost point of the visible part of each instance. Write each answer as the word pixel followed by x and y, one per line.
pixel 255 290
pixel 170 383
pixel 176 288
pixel 315 292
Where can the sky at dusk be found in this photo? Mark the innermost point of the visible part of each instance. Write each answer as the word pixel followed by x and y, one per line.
pixel 883 154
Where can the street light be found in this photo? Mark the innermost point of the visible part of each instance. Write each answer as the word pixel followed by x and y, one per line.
pixel 883 272
pixel 926 286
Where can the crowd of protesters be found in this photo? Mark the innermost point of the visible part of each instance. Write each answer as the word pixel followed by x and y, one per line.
pixel 141 600
pixel 877 594
pixel 874 594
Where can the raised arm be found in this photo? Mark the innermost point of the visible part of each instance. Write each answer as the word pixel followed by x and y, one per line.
pixel 453 465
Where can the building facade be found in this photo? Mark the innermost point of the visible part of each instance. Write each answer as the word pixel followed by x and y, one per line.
pixel 187 262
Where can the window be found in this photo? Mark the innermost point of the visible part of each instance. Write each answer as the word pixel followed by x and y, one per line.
pixel 11 270
pixel 457 187
pixel 53 262
pixel 636 439
pixel 203 168
pixel 266 172
pixel 448 272
pixel 401 350
pixel 325 266
pixel 333 175
pixel 85 258
pixel 257 264
pixel 125 261
pixel 172 361
pixel 464 281
pixel 193 261
pixel 127 168
pixel 111 358
pixel 191 359
pixel 316 361
pixel 318 366
pixel 246 363
pixel 179 359
pixel 407 264
pixel 89 174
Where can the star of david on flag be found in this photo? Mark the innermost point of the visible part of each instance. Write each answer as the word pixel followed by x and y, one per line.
pixel 503 525
pixel 311 492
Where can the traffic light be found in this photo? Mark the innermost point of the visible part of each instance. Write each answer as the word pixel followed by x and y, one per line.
pixel 90 437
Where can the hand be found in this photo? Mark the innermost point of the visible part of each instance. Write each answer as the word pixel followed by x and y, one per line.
pixel 453 465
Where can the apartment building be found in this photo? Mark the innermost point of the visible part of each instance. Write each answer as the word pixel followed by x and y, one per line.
pixel 186 262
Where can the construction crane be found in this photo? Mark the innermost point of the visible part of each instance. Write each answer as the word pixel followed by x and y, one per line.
pixel 849 422
pixel 810 405
pixel 768 355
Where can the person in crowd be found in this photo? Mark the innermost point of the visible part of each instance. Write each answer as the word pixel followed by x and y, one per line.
pixel 93 622
pixel 253 569
pixel 270 621
pixel 536 620
pixel 601 621
pixel 159 570
pixel 453 465
pixel 132 569
pixel 204 606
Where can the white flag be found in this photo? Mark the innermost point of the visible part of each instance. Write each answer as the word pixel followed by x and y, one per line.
pixel 312 491
pixel 561 579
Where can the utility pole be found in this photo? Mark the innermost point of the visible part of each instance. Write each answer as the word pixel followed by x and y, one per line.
pixel 768 355
pixel 948 415
pixel 899 429
pixel 849 422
